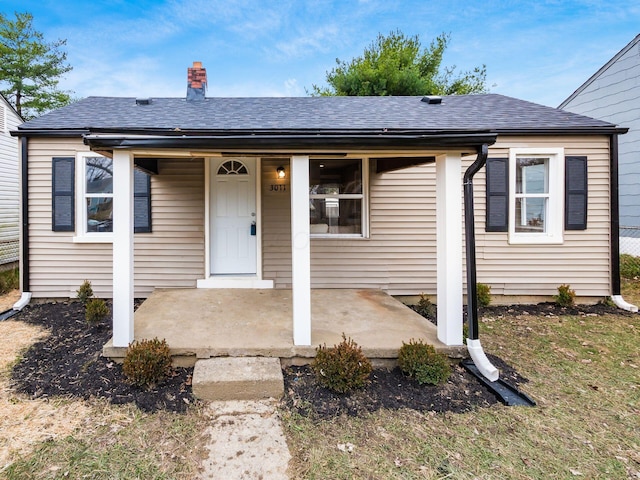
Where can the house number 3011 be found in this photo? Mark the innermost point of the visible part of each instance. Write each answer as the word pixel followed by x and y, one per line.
pixel 278 188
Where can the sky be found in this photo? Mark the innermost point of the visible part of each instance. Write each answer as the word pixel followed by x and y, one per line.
pixel 539 51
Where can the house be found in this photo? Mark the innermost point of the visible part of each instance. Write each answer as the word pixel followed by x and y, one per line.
pixel 9 186
pixel 613 94
pixel 316 192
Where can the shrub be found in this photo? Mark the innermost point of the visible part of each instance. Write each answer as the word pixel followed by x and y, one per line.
pixel 424 307
pixel 629 266
pixel 421 362
pixel 147 362
pixel 85 292
pixel 483 294
pixel 565 297
pixel 95 311
pixel 607 302
pixel 9 280
pixel 343 367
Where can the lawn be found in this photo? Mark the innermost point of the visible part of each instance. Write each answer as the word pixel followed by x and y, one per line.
pixel 584 373
pixel 583 370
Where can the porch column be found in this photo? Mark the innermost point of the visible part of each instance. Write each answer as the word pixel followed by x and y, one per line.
pixel 122 248
pixel 449 247
pixel 300 250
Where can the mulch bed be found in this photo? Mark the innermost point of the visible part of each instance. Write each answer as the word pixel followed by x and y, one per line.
pixel 69 362
pixel 391 389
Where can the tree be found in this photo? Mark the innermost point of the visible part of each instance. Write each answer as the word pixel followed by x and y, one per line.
pixel 30 68
pixel 398 65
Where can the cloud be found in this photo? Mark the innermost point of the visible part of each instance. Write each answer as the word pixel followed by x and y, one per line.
pixel 140 76
pixel 307 43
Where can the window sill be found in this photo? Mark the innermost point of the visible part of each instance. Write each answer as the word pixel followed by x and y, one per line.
pixel 93 239
pixel 535 239
pixel 338 236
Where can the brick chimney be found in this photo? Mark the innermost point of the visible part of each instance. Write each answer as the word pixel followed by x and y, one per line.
pixel 196 82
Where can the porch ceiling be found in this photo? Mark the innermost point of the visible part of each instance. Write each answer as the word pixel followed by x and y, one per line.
pixel 203 323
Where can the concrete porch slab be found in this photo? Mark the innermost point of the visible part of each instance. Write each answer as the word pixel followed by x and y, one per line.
pixel 205 323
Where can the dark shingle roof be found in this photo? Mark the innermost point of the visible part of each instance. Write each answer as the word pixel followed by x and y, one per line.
pixel 456 113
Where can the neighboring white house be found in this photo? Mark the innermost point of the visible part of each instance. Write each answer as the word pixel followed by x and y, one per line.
pixel 613 94
pixel 9 185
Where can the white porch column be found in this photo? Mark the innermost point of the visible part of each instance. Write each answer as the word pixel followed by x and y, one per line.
pixel 449 247
pixel 122 248
pixel 300 250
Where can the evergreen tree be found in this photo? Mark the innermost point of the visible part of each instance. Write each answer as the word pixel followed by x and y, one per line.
pixel 30 67
pixel 398 65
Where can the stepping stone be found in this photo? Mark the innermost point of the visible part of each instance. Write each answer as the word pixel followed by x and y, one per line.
pixel 238 378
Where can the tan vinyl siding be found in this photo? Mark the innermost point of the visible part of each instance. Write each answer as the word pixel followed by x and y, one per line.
pixel 400 254
pixel 171 256
pixel 582 260
pixel 276 227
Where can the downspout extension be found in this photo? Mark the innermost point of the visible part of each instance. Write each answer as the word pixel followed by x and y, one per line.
pixel 474 347
pixel 616 297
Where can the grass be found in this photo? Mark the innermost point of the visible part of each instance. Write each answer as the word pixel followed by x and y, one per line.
pixel 125 444
pixel 9 280
pixel 629 266
pixel 585 375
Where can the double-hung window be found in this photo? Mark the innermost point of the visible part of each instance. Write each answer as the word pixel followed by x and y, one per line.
pixel 536 200
pixel 82 197
pixel 97 194
pixel 337 197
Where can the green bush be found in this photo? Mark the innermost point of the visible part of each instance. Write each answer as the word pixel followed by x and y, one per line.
pixel 85 292
pixel 95 311
pixel 421 362
pixel 424 307
pixel 483 294
pixel 343 367
pixel 565 297
pixel 629 266
pixel 147 362
pixel 9 280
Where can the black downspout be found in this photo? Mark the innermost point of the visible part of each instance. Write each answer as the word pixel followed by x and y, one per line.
pixel 615 215
pixel 24 267
pixel 470 241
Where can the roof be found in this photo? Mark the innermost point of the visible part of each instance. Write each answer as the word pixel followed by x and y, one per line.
pixel 309 115
pixel 603 69
pixel 10 106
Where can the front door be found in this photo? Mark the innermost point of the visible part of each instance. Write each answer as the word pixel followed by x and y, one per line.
pixel 233 217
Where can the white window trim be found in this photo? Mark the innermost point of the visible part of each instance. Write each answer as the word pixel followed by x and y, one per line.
pixel 82 236
pixel 364 196
pixel 555 207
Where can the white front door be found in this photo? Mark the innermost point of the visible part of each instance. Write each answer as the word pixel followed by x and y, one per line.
pixel 233 217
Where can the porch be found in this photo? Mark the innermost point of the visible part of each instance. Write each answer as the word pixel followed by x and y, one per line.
pixel 204 323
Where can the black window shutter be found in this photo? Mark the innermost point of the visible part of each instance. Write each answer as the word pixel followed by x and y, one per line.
pixel 63 194
pixel 575 193
pixel 497 198
pixel 141 202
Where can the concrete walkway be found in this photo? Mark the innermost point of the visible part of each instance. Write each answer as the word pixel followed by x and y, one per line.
pixel 247 442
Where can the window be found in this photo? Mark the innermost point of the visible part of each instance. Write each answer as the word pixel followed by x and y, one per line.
pixel 82 196
pixel 337 189
pixel 97 189
pixel 536 181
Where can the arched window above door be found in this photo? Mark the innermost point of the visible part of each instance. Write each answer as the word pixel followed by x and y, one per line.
pixel 233 167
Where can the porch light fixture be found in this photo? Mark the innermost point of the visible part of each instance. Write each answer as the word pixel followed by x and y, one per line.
pixel 280 171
